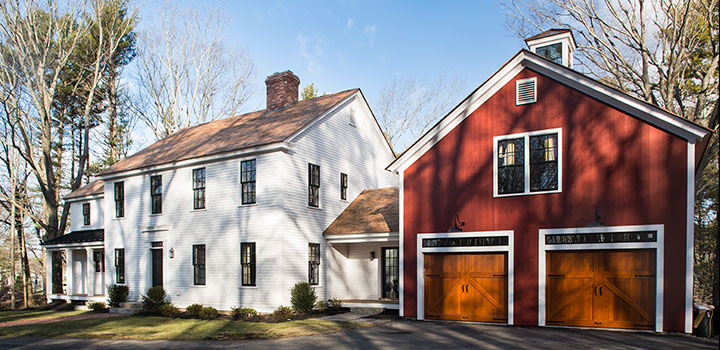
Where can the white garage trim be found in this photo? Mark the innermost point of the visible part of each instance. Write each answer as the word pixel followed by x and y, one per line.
pixel 659 262
pixel 690 237
pixel 480 249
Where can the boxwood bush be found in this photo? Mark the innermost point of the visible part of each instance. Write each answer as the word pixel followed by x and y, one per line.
pixel 154 300
pixel 243 313
pixel 194 310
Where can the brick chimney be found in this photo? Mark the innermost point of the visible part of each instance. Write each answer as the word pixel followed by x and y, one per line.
pixel 282 90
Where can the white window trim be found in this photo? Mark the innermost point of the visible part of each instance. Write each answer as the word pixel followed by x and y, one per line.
pixel 517 84
pixel 526 136
pixel 659 256
pixel 486 249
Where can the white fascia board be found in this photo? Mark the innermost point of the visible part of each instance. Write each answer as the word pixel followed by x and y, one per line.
pixel 85 198
pixel 74 245
pixel 363 237
pixel 245 152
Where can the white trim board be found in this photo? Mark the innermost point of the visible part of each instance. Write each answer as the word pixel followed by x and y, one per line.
pixel 659 263
pixel 401 261
pixel 689 237
pixel 486 249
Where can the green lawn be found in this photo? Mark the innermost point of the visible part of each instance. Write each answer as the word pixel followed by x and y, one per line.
pixel 149 328
pixel 15 315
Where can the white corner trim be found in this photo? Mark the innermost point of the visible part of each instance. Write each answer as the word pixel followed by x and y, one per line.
pixel 510 248
pixel 526 137
pixel 690 237
pixel 659 260
pixel 401 260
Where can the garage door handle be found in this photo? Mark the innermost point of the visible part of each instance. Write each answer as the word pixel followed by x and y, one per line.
pixel 600 290
pixel 595 292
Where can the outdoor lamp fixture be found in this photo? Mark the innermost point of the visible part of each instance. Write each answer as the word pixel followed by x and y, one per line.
pixel 457 225
pixel 372 255
pixel 172 252
pixel 596 220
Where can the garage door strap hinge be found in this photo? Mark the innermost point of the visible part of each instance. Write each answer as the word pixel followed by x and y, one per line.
pixel 643 325
pixel 500 275
pixel 556 275
pixel 499 319
pixel 555 321
pixel 432 275
pixel 644 275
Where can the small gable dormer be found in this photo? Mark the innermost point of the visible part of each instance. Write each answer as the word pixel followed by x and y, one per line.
pixel 557 45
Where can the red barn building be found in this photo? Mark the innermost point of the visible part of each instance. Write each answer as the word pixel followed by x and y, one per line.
pixel 548 198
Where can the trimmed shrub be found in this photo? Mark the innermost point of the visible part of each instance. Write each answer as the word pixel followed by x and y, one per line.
pixel 283 313
pixel 303 297
pixel 156 297
pixel 117 293
pixel 194 310
pixel 334 303
pixel 169 310
pixel 321 306
pixel 243 313
pixel 97 306
pixel 208 313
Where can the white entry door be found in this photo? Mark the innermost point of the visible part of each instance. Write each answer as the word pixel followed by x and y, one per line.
pixel 79 272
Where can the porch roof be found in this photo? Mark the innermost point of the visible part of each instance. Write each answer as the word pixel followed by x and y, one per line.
pixel 373 211
pixel 78 237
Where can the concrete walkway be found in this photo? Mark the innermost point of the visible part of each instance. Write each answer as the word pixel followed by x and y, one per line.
pixel 404 334
pixel 57 319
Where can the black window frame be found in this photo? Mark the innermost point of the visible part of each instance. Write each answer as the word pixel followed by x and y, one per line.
pixel 343 186
pixel 120 265
pixel 86 214
pixel 199 182
pixel 389 271
pixel 199 262
pixel 544 162
pixel 511 165
pixel 534 165
pixel 248 264
pixel 156 194
pixel 314 264
pixel 248 178
pixel 119 194
pixel 546 51
pixel 99 260
pixel 313 185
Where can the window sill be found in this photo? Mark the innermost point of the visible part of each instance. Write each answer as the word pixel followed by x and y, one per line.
pixel 247 205
pixel 314 208
pixel 525 193
pixel 119 218
pixel 199 286
pixel 248 287
pixel 158 214
pixel 198 210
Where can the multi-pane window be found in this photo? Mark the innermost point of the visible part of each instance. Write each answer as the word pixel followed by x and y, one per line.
pixel 552 52
pixel 198 176
pixel 528 163
pixel 99 260
pixel 314 185
pixel 343 186
pixel 86 213
pixel 247 262
pixel 156 193
pixel 119 199
pixel 313 263
pixel 247 181
pixel 390 272
pixel 511 166
pixel 120 266
pixel 199 264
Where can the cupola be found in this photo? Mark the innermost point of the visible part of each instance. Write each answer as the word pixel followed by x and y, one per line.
pixel 557 45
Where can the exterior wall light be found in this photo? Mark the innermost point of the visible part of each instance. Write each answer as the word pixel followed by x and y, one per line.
pixel 456 226
pixel 171 253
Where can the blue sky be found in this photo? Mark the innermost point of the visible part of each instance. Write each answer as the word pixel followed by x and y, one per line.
pixel 339 45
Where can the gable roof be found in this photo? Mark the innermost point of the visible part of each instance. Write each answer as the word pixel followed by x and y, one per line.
pixel 373 211
pixel 231 134
pixel 94 188
pixel 78 237
pixel 643 110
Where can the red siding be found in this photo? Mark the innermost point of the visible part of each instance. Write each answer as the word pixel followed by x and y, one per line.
pixel 631 171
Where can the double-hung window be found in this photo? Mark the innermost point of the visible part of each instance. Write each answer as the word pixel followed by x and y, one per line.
pixel 198 188
pixel 343 186
pixel 120 266
pixel 528 163
pixel 199 264
pixel 119 199
pixel 156 193
pixel 313 263
pixel 247 262
pixel 247 181
pixel 99 260
pixel 86 213
pixel 313 185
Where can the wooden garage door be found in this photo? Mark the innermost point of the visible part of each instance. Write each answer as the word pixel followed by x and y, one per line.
pixel 470 287
pixel 614 289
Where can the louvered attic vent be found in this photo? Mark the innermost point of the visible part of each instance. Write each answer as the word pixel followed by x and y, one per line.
pixel 526 91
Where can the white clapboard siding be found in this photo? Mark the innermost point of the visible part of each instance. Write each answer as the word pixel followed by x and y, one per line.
pixel 96 215
pixel 353 274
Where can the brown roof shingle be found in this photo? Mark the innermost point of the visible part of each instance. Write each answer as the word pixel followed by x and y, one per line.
pixel 231 134
pixel 549 32
pixel 94 188
pixel 373 211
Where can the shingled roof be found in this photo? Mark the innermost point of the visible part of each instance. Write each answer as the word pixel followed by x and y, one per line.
pixel 548 33
pixel 94 188
pixel 230 134
pixel 373 211
pixel 78 237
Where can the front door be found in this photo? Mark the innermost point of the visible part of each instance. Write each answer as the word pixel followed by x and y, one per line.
pixel 390 272
pixel 157 267
pixel 469 287
pixel 614 289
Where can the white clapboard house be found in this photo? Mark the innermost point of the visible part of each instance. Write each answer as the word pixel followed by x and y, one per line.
pixel 234 212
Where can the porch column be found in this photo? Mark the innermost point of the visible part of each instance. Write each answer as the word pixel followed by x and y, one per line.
pixel 69 271
pixel 90 272
pixel 48 273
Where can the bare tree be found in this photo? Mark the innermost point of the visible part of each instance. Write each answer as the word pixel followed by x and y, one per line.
pixel 187 76
pixel 407 107
pixel 39 40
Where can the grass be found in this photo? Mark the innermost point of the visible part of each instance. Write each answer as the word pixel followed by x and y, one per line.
pixel 153 328
pixel 16 315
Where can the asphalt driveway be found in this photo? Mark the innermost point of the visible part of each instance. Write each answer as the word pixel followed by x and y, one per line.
pixel 405 334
